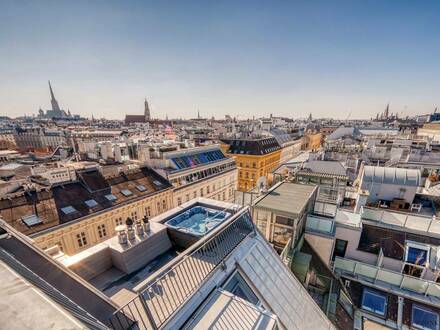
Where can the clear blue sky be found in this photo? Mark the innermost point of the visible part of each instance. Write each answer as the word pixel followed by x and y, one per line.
pixel 245 58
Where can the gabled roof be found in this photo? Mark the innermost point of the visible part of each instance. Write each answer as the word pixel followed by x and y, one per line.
pixel 49 205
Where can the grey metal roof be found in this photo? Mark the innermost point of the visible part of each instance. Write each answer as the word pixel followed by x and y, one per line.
pixel 25 307
pixel 223 310
pixel 286 197
pixel 280 289
pixel 344 131
pixel 392 175
pixel 326 167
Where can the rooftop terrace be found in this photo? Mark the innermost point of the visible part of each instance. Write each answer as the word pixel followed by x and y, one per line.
pixel 175 279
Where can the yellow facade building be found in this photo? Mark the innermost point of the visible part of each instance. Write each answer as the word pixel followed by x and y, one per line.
pixel 312 141
pixel 255 158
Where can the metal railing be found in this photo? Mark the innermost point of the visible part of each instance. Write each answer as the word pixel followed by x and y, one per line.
pixel 407 220
pixel 378 275
pixel 167 292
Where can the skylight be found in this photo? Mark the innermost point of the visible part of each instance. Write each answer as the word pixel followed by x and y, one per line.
pixel 31 220
pixel 126 192
pixel 141 188
pixel 157 183
pixel 91 203
pixel 110 197
pixel 68 210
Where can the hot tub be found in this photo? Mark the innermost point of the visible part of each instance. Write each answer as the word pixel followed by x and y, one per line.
pixel 198 220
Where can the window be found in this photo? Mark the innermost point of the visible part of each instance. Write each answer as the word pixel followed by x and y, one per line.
pixel 424 319
pixel 416 259
pixel 374 302
pixel 164 205
pixel 416 255
pixel 282 235
pixel 81 239
pixel 187 197
pixel 118 221
pixel 179 201
pixel 148 211
pixel 31 220
pixel 201 192
pixel 68 210
pixel 134 215
pixel 110 197
pixel 126 192
pixel 261 225
pixel 102 232
pixel 238 286
pixel 194 194
pixel 284 220
pixel 141 188
pixel 91 203
pixel 340 248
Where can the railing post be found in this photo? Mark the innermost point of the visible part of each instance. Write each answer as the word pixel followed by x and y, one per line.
pixel 147 312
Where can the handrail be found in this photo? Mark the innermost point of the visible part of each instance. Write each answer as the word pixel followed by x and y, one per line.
pixel 423 224
pixel 233 208
pixel 402 281
pixel 174 284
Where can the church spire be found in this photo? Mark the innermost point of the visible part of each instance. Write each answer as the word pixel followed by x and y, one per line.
pixel 53 101
pixel 146 110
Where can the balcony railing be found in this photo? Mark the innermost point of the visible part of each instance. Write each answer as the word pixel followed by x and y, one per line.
pixel 377 275
pixel 410 221
pixel 320 225
pixel 168 291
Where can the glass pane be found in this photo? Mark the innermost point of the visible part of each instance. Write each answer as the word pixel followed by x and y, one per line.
pixel 424 319
pixel 374 302
pixel 416 256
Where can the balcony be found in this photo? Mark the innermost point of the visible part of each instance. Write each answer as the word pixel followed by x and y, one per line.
pixel 388 218
pixel 388 280
pixel 320 225
pixel 174 285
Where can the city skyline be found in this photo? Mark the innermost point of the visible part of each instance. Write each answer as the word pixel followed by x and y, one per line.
pixel 243 59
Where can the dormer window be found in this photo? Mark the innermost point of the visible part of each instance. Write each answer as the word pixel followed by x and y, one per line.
pixel 32 220
pixel 68 210
pixel 126 192
pixel 110 197
pixel 141 188
pixel 91 203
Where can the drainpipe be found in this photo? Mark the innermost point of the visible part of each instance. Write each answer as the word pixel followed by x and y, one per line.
pixel 400 302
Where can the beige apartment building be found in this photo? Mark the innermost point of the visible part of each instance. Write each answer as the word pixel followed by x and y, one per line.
pixel 199 172
pixel 76 215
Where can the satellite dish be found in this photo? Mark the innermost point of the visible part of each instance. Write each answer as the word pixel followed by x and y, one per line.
pixel 262 184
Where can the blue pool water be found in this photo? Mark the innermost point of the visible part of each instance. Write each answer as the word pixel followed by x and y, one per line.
pixel 198 220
